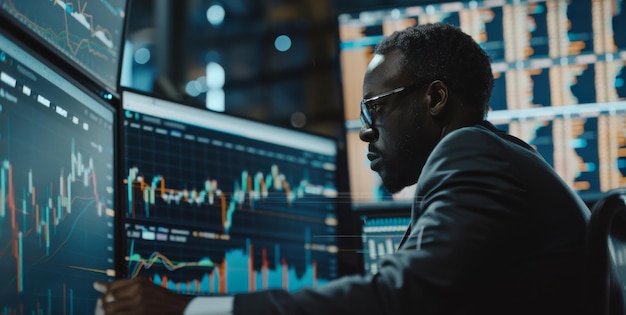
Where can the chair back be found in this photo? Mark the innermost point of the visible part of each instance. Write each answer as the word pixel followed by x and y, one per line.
pixel 605 257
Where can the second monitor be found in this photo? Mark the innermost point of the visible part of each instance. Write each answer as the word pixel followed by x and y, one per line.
pixel 218 205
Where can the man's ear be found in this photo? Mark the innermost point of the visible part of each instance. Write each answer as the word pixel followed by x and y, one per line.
pixel 438 94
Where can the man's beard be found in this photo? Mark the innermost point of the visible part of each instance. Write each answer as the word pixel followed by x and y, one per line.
pixel 401 172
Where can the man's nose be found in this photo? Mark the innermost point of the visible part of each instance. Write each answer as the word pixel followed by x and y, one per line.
pixel 368 134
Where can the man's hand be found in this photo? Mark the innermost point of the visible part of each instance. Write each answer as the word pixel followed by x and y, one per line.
pixel 138 296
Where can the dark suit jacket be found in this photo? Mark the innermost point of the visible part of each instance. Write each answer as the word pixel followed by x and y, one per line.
pixel 494 230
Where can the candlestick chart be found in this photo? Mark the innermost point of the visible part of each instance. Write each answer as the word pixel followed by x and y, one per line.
pixel 56 193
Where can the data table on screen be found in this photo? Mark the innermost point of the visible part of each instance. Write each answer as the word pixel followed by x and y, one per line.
pixel 559 81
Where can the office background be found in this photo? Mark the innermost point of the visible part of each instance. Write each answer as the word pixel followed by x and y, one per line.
pixel 279 57
pixel 224 157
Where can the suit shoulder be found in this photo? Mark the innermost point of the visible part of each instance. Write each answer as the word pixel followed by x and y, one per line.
pixel 478 135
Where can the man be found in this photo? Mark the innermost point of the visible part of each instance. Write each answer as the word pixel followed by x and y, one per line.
pixel 494 229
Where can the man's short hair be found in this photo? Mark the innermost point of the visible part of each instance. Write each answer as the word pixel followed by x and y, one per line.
pixel 444 52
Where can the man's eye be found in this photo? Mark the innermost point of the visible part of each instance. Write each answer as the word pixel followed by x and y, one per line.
pixel 374 107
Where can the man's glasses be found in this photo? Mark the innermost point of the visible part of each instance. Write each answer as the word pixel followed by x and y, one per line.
pixel 368 109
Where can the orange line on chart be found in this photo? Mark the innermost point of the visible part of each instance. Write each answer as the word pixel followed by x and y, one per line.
pixel 85 40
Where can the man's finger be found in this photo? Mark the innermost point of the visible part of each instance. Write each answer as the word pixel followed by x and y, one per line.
pixel 100 287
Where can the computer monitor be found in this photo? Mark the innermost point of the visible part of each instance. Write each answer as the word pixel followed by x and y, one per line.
pixel 381 234
pixel 559 82
pixel 89 34
pixel 57 187
pixel 217 204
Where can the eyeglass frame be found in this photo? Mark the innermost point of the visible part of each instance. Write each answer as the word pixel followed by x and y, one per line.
pixel 367 119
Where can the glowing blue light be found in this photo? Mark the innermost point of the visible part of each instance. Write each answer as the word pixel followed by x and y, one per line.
pixel 282 43
pixel 142 55
pixel 215 14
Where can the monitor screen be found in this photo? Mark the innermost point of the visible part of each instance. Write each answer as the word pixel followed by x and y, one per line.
pixel 57 191
pixel 559 81
pixel 217 204
pixel 89 33
pixel 381 234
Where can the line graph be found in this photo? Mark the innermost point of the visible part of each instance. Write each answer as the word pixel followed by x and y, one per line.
pixel 89 33
pixel 157 257
pixel 86 20
pixel 237 271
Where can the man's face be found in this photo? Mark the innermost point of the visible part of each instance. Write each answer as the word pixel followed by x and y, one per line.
pixel 402 133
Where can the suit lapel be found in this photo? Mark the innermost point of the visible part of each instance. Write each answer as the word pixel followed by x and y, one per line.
pixel 416 212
